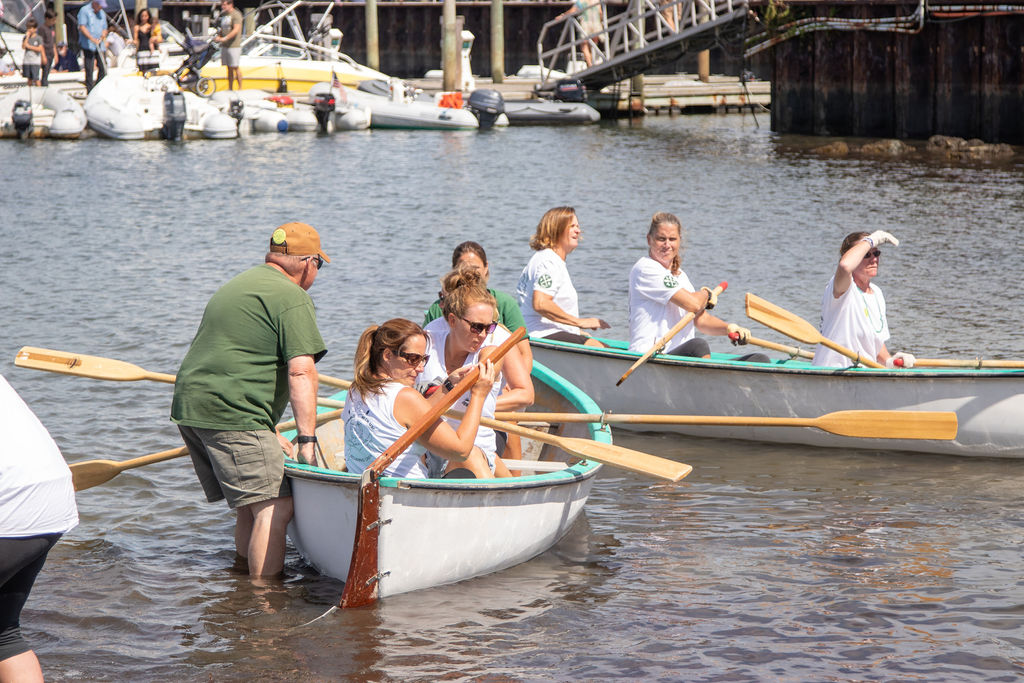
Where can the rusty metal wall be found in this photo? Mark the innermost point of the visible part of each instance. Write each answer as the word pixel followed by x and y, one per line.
pixel 963 78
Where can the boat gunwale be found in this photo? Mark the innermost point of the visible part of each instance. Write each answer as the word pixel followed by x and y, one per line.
pixel 777 366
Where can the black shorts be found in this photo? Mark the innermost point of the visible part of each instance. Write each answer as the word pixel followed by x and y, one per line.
pixel 20 562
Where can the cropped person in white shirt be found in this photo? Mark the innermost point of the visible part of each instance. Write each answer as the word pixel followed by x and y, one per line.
pixel 382 404
pixel 660 295
pixel 853 309
pixel 546 297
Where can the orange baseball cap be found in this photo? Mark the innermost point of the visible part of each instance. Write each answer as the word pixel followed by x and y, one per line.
pixel 297 239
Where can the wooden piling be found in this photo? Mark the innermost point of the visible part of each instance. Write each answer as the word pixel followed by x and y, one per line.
pixel 498 41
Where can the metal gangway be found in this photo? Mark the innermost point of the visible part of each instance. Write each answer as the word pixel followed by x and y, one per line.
pixel 647 33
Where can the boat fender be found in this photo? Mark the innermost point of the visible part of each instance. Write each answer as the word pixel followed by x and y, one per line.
pixel 21 117
pixel 282 125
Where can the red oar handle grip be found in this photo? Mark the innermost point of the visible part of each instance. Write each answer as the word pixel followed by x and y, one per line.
pixel 724 285
pixel 734 335
pixel 898 362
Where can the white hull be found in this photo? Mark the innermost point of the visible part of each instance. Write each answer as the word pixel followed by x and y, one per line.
pixel 437 535
pixel 989 403
pixel 436 531
pixel 131 107
pixel 55 114
pixel 401 112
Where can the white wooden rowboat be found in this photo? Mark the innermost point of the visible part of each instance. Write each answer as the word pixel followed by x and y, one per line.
pixel 436 531
pixel 989 403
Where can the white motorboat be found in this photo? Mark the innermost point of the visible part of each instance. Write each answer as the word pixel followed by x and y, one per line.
pixel 402 109
pixel 40 112
pixel 338 113
pixel 133 107
pixel 253 112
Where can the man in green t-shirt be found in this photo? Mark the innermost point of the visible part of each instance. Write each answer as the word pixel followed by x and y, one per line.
pixel 256 347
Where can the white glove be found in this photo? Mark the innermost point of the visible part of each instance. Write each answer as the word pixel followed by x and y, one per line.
pixel 907 360
pixel 880 237
pixel 742 332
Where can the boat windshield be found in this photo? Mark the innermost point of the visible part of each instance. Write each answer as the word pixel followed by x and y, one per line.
pixel 274 49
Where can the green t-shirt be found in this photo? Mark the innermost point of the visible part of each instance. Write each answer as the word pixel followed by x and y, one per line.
pixel 235 374
pixel 509 314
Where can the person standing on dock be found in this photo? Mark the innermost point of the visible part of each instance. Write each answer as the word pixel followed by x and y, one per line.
pixel 229 35
pixel 660 295
pixel 853 309
pixel 256 347
pixel 92 25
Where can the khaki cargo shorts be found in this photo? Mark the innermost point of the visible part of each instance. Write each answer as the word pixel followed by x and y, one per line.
pixel 242 467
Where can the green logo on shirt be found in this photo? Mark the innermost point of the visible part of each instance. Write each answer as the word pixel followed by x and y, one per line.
pixel 670 282
pixel 544 280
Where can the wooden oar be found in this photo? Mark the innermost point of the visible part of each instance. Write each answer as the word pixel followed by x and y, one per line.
pixel 616 456
pixel 791 351
pixel 660 344
pixel 867 424
pixel 85 366
pixel 606 453
pixel 97 367
pixel 975 363
pixel 91 473
pixel 361 583
pixel 783 321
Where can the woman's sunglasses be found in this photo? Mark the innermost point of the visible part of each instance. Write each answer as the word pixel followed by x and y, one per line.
pixel 414 359
pixel 873 253
pixel 477 328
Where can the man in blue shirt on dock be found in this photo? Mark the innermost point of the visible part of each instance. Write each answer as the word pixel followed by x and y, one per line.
pixel 92 25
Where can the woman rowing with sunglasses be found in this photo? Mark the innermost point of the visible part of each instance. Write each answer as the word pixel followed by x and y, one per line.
pixel 853 309
pixel 467 333
pixel 382 404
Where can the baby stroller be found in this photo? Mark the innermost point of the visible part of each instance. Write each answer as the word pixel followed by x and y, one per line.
pixel 198 53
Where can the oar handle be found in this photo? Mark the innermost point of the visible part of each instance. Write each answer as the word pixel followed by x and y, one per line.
pixel 660 344
pixel 973 363
pixel 792 351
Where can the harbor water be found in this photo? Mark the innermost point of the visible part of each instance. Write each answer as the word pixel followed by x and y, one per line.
pixel 767 563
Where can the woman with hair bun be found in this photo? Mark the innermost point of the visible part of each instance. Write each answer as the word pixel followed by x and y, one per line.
pixel 468 333
pixel 382 404
pixel 546 296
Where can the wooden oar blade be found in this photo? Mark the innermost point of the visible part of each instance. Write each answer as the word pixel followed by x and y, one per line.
pixel 78 364
pixel 781 320
pixel 890 424
pixel 628 459
pixel 85 475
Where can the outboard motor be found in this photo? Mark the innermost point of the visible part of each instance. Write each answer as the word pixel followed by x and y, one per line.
pixel 487 106
pixel 570 90
pixel 174 116
pixel 236 110
pixel 323 107
pixel 21 117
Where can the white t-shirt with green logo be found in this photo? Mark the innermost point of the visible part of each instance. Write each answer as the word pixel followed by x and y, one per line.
pixel 651 315
pixel 546 272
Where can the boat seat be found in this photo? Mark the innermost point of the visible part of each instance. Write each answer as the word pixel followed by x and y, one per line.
pixel 331 436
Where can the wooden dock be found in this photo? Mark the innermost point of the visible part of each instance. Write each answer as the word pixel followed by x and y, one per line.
pixel 662 94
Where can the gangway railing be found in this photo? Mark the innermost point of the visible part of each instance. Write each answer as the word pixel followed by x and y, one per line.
pixel 645 34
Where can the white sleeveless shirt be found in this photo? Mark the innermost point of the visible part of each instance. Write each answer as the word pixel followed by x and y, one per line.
pixel 371 428
pixel 435 373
